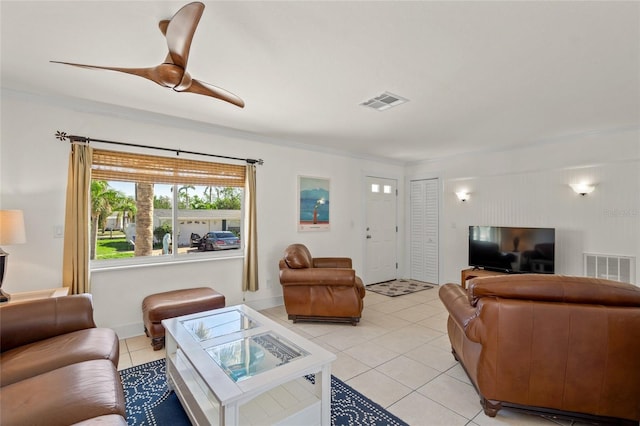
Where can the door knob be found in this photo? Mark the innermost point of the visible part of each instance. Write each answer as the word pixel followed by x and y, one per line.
pixel 368 236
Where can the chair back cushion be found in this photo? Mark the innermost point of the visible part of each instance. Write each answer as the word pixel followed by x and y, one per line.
pixel 297 256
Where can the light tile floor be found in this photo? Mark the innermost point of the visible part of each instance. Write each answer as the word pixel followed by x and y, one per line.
pixel 399 356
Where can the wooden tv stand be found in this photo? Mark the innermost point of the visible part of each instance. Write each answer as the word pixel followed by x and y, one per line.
pixel 467 274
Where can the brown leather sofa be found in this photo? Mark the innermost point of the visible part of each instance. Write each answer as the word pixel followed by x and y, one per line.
pixel 321 288
pixel 550 343
pixel 56 366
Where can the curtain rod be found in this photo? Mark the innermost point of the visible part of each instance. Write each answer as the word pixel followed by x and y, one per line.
pixel 63 136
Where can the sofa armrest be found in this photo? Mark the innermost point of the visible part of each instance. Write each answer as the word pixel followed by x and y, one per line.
pixel 28 322
pixel 332 262
pixel 318 276
pixel 455 299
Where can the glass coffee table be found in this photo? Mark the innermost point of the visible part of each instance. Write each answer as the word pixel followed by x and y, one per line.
pixel 235 366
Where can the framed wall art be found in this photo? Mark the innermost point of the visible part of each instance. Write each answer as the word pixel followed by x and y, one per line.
pixel 313 203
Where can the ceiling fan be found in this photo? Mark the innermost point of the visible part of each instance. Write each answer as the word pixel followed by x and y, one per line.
pixel 172 72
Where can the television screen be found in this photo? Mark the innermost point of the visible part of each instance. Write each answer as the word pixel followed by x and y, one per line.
pixel 508 249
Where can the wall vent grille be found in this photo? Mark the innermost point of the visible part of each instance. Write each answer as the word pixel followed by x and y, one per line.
pixel 610 267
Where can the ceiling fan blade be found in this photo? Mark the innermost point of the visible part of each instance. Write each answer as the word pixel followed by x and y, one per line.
pixel 179 32
pixel 163 26
pixel 163 29
pixel 167 75
pixel 207 89
pixel 140 72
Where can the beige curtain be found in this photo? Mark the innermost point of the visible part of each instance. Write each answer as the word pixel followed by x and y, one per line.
pixel 250 271
pixel 75 262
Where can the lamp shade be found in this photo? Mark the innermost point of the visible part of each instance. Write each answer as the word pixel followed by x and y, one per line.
pixel 12 227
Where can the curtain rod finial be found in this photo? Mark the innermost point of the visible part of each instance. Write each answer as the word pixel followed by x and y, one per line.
pixel 63 136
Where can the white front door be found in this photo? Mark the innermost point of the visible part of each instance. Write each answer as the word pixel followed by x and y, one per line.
pixel 381 230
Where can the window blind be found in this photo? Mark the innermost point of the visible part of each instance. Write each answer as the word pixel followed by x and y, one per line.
pixel 129 167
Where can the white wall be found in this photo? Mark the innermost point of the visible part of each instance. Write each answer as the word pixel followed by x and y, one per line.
pixel 526 187
pixel 33 173
pixel 530 187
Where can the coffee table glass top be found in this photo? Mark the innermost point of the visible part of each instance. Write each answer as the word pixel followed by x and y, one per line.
pixel 246 357
pixel 217 325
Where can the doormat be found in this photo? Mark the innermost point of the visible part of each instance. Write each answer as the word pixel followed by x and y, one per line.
pixel 399 287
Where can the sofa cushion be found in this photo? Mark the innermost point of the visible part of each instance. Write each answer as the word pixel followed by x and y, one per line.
pixel 64 396
pixel 24 323
pixel 59 351
pixel 297 256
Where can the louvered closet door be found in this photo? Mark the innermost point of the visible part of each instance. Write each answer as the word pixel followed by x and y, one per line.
pixel 424 230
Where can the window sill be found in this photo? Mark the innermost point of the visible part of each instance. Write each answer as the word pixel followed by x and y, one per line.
pixel 153 261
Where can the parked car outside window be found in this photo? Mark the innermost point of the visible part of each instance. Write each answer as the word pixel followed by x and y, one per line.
pixel 219 240
pixel 195 239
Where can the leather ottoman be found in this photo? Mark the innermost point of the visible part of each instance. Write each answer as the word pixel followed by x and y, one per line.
pixel 171 304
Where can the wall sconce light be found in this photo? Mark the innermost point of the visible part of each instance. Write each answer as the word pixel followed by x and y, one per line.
pixel 462 195
pixel 582 188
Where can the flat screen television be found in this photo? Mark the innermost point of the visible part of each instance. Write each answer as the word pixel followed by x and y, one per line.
pixel 513 250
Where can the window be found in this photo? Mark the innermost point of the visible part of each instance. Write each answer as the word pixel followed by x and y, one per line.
pixel 148 206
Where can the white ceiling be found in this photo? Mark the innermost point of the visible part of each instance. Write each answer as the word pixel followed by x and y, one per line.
pixel 479 75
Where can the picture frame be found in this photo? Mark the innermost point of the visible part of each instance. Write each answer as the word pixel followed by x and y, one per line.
pixel 313 204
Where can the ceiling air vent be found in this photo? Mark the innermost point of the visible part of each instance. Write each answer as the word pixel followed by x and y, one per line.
pixel 384 101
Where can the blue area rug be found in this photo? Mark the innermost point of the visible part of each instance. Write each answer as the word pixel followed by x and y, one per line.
pixel 149 402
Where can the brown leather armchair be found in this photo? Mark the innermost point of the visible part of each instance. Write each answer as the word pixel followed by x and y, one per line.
pixel 321 288
pixel 549 342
